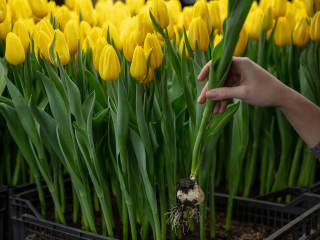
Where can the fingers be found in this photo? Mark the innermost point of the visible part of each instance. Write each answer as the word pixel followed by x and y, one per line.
pixel 204 72
pixel 202 98
pixel 225 93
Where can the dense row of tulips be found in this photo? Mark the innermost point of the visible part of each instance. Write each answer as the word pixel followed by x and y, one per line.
pixel 108 95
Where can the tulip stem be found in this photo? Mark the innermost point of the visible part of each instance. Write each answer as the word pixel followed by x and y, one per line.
pixel 114 92
pixel 146 91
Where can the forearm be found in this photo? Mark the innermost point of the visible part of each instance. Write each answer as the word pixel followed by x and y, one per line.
pixel 302 114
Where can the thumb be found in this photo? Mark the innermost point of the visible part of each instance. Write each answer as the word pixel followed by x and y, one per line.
pixel 225 93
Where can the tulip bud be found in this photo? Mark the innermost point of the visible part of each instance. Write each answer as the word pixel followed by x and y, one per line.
pixel 129 46
pixel 134 5
pixel 282 34
pixel 200 9
pixel 309 7
pixel 301 33
pixel 113 33
pixel 181 47
pixel 254 6
pixel 143 26
pixel 291 18
pixel 217 39
pixel 5 27
pixel 198 32
pixel 42 43
pixel 14 50
pixel 109 66
pixel 170 29
pixel 87 43
pixel 86 10
pixel 138 67
pixel 84 31
pixel 317 4
pixel 160 13
pixel 279 8
pixel 242 43
pixel 254 30
pixel 152 42
pixel 20 9
pixel 187 17
pixel 149 77
pixel 21 31
pixel 127 27
pixel 96 33
pixel 176 32
pixel 263 4
pixel 60 47
pixel 97 50
pixel 215 16
pixel 71 34
pixel 62 17
pixel 267 19
pixel 315 28
pixel 44 25
pixel 3 10
pixel 39 8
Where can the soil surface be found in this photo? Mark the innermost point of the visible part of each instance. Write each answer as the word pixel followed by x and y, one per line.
pixel 238 230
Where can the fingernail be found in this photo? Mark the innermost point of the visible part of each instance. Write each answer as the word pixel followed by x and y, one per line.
pixel 211 95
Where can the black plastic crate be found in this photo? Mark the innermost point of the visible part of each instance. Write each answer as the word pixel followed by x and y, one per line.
pixel 3 208
pixel 28 224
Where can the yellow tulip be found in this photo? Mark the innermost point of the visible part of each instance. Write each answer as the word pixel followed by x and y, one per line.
pixel 149 77
pixel 20 9
pixel 14 50
pixel 135 5
pixel 70 4
pixel 143 26
pixel 270 31
pixel 71 34
pixel 279 8
pixel 264 4
pixel 138 69
pixel 62 17
pixel 215 16
pixel 60 47
pixel 254 30
pixel 87 43
pixel 21 31
pixel 198 32
pixel 97 50
pixel 200 9
pixel 45 26
pixel 5 27
pixel 317 4
pixel 301 33
pixel 42 43
pixel 30 25
pixel 267 19
pixel 113 33
pixel 86 10
pixel 170 29
pixel 129 46
pixel 160 13
pixel 52 9
pixel 254 6
pixel 187 17
pixel 217 39
pixel 242 43
pixel 119 15
pixel 282 34
pixel 109 66
pixel 315 28
pixel 174 7
pixel 84 31
pixel 127 27
pixel 309 7
pixel 152 42
pixel 3 10
pixel 176 32
pixel 96 33
pixel 291 18
pixel 182 43
pixel 39 8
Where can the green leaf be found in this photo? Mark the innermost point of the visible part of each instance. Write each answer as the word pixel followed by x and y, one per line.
pixel 3 73
pixel 186 41
pixel 155 24
pixel 116 49
pixel 95 85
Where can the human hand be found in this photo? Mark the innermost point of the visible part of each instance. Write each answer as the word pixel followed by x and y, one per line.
pixel 246 81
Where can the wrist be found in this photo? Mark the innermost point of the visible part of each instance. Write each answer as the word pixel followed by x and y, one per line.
pixel 287 98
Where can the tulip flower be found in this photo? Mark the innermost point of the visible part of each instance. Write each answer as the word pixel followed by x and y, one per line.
pixel 127 27
pixel 42 43
pixel 279 8
pixel 45 26
pixel 87 43
pixel 267 19
pixel 113 33
pixel 217 39
pixel 97 50
pixel 109 66
pixel 317 4
pixel 20 9
pixel 62 17
pixel 3 10
pixel 30 25
pixel 5 28
pixel 315 28
pixel 174 7
pixel 182 43
pixel 301 33
pixel 84 31
pixel 215 16
pixel 170 29
pixel 143 26
pixel 96 33
pixel 129 46
pixel 309 7
pixel 21 31
pixel 14 49
pixel 187 17
pixel 291 18
pixel 86 10
pixel 200 9
pixel 60 47
pixel 177 35
pixel 138 67
pixel 39 8
pixel 71 34
pixel 255 27
pixel 134 5
pixel 149 77
pixel 254 6
pixel 242 43
pixel 198 32
pixel 282 34
pixel 152 42
pixel 160 13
